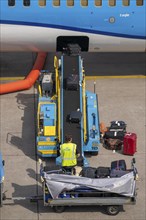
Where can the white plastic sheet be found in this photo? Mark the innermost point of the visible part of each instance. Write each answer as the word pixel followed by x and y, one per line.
pixel 58 183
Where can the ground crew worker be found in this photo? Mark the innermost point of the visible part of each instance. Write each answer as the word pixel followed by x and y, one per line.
pixel 68 153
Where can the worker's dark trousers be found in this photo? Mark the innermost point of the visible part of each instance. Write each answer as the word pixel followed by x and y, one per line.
pixel 69 170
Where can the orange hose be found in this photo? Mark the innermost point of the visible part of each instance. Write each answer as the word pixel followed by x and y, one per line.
pixel 29 80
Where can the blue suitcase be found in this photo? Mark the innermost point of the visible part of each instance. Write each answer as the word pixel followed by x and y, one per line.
pixel 118 165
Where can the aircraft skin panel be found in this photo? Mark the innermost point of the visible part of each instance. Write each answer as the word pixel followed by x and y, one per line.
pixel 118 28
pixel 114 30
pixel 42 39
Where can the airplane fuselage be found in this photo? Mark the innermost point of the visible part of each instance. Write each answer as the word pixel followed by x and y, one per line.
pixel 41 28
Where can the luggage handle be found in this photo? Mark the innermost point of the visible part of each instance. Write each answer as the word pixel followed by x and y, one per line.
pixel 128 134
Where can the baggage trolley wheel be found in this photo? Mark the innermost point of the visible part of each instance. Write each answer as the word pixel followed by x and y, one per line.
pixel 112 209
pixel 94 153
pixel 58 209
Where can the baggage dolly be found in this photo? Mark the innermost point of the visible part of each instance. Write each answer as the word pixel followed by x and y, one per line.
pixel 85 194
pixel 111 202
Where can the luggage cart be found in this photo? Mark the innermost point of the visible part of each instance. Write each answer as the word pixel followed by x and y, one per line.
pixel 112 202
pixel 85 195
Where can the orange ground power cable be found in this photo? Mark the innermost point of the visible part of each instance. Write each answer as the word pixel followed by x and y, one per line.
pixel 29 80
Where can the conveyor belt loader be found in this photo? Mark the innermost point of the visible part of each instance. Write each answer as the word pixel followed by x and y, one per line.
pixel 57 103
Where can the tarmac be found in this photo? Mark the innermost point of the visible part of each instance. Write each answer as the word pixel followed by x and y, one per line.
pixel 121 90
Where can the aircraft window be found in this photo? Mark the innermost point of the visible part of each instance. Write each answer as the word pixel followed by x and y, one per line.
pixel 70 3
pixel 42 3
pixel 139 2
pixel 126 2
pixel 26 3
pixel 98 2
pixel 11 2
pixel 112 2
pixel 56 2
pixel 84 3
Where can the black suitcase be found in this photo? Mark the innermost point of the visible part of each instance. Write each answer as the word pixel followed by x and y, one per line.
pixel 89 172
pixel 103 172
pixel 118 165
pixel 75 116
pixel 114 134
pixel 118 125
pixel 72 82
pixel 80 161
pixel 73 49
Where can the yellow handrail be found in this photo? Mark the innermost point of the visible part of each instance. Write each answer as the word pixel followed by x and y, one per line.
pixel 38 118
pixel 40 91
pixel 84 111
pixel 57 92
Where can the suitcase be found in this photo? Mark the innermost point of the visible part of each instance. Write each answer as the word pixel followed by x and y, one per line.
pixel 75 116
pixel 80 161
pixel 118 165
pixel 129 144
pixel 89 172
pixel 114 134
pixel 118 125
pixel 118 173
pixel 73 49
pixel 113 144
pixel 72 82
pixel 102 172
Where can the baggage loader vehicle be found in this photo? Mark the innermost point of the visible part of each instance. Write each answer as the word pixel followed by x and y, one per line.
pixel 65 107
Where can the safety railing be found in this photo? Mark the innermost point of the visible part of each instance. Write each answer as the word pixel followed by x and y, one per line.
pixel 84 110
pixel 56 66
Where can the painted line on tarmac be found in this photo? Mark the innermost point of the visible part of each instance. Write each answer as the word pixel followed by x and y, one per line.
pixel 116 77
pixel 87 77
pixel 11 78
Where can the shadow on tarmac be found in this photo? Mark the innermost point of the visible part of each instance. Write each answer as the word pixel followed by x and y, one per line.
pixel 95 64
pixel 25 140
pixel 38 206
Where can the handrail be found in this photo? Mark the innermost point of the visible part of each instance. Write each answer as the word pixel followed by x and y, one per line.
pixel 58 95
pixel 84 111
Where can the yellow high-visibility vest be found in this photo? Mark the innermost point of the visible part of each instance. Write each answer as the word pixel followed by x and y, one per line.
pixel 68 154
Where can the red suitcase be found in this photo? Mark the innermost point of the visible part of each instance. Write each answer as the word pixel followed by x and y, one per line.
pixel 129 144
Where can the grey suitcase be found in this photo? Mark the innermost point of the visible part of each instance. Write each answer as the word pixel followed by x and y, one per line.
pixel 118 173
pixel 72 82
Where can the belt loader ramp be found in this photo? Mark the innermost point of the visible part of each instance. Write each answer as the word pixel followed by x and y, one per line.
pixel 58 105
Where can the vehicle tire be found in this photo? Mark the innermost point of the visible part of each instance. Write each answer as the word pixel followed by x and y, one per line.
pixel 1 195
pixel 58 209
pixel 94 153
pixel 112 209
